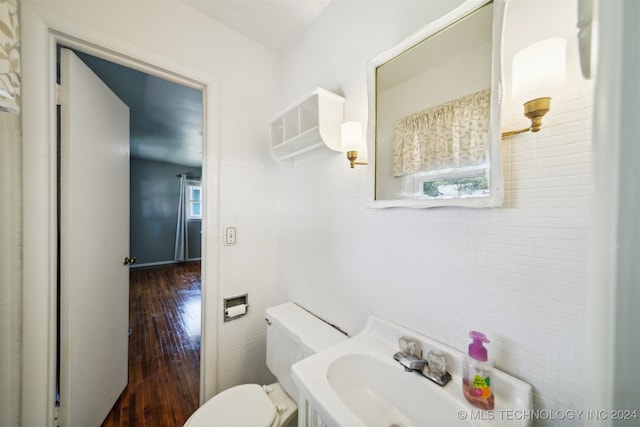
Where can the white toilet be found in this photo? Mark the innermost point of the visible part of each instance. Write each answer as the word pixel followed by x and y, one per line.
pixel 292 334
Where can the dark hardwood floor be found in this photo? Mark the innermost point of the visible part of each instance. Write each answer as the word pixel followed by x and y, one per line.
pixel 164 348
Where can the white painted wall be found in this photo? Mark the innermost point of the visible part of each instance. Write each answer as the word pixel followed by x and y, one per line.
pixel 517 273
pixel 241 176
pixel 10 269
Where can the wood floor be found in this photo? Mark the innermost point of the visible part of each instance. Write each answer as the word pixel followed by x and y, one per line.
pixel 164 348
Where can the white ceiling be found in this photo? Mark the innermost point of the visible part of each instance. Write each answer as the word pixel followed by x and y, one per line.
pixel 273 23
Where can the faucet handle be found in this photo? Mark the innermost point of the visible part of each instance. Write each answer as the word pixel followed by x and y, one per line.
pixel 437 362
pixel 410 346
pixel 436 368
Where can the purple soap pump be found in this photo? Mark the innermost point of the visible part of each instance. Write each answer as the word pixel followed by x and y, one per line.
pixel 476 376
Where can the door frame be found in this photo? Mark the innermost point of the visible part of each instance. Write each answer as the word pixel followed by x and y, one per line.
pixel 42 31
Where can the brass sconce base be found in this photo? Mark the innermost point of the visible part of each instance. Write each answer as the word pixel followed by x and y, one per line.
pixel 353 156
pixel 534 110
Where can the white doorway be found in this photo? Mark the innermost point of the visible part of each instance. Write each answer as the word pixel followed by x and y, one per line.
pixel 166 128
pixel 43 31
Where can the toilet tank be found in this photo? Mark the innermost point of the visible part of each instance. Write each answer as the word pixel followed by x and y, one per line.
pixel 293 334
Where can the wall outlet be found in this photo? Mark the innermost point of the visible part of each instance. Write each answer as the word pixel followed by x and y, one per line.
pixel 230 236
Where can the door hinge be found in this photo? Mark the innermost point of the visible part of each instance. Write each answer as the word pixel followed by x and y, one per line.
pixel 58 94
pixel 56 414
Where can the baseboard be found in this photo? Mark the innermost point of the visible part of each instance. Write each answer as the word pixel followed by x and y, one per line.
pixel 159 263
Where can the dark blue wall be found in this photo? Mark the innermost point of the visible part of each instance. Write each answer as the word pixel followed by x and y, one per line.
pixel 155 190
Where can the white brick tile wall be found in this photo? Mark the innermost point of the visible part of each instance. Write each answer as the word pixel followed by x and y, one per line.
pixel 518 273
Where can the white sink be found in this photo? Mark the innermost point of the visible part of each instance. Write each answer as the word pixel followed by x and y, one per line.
pixel 358 383
pixel 381 393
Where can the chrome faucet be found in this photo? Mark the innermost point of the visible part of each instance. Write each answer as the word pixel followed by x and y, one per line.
pixel 410 357
pixel 410 362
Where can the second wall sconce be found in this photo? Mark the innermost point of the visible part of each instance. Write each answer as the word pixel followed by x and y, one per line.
pixel 537 71
pixel 352 141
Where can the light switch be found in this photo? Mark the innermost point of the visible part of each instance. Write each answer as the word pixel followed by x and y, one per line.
pixel 230 236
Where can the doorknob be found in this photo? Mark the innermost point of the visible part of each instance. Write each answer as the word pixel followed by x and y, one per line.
pixel 128 260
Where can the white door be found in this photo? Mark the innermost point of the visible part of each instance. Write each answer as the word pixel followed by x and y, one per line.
pixel 94 239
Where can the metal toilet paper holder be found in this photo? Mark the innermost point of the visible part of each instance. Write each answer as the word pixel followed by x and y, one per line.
pixel 231 302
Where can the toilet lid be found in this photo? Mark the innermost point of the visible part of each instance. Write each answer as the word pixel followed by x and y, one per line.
pixel 241 406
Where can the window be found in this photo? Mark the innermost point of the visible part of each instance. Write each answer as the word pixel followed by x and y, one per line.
pixel 454 183
pixel 194 201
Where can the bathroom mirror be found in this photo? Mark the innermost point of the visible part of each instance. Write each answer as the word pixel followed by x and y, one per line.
pixel 434 113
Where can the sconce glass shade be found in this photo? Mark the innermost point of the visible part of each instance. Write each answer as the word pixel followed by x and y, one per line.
pixel 538 70
pixel 351 136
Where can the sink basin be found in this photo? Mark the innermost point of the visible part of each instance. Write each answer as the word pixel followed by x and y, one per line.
pixel 381 393
pixel 357 383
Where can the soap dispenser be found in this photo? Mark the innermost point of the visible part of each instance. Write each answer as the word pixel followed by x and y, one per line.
pixel 476 380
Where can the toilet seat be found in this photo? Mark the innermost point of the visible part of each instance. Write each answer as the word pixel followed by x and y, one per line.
pixel 241 406
pixel 293 333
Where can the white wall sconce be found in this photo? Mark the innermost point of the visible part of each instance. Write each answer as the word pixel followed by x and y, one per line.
pixel 352 141
pixel 537 71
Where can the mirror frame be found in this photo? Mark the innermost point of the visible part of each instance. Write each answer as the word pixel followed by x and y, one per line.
pixel 496 187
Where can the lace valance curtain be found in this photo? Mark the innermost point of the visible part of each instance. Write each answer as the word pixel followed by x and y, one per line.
pixel 449 135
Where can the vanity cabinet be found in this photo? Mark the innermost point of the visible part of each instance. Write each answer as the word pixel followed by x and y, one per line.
pixel 308 416
pixel 311 123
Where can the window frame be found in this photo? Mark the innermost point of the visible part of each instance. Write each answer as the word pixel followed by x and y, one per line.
pixel 482 170
pixel 191 202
